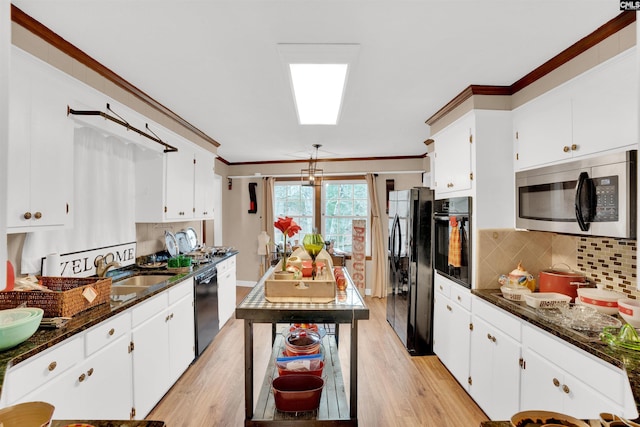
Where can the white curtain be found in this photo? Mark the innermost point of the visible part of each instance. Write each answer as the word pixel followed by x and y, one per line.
pixel 378 250
pixel 104 201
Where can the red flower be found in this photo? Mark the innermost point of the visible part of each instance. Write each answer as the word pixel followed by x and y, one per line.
pixel 287 225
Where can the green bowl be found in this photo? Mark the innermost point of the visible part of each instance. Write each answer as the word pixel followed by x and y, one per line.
pixel 17 325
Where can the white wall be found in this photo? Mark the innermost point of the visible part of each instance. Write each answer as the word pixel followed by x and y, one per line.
pixel 5 49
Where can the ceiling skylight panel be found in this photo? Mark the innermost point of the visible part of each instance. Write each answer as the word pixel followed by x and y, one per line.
pixel 318 92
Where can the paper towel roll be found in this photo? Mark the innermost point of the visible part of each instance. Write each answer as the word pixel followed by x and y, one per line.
pixel 52 265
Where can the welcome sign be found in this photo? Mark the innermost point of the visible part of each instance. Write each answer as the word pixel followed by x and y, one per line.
pixel 83 264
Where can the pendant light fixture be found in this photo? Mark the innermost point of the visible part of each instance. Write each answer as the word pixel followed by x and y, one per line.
pixel 312 176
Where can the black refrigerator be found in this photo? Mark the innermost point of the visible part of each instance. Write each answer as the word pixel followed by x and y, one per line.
pixel 410 270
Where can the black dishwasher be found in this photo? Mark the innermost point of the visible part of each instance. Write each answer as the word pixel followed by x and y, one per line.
pixel 206 307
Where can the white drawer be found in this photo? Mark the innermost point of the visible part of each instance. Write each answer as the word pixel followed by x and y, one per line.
pixel 149 308
pixel 106 332
pixel 33 373
pixel 223 266
pixel 180 291
pixel 461 296
pixel 231 262
pixel 442 285
pixel 498 318
pixel 599 375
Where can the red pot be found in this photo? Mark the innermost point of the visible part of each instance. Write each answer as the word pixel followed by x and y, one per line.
pixel 564 282
pixel 297 393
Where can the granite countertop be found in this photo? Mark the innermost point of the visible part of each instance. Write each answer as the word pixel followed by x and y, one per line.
pixel 46 338
pixel 623 359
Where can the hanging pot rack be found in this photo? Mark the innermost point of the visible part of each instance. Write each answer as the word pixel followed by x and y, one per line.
pixel 122 122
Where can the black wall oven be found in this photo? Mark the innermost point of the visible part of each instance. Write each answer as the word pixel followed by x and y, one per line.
pixel 452 232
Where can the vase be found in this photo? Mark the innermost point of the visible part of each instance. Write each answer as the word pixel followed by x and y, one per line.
pixel 313 244
pixel 283 275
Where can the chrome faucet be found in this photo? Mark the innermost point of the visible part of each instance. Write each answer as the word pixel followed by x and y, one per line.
pixel 102 266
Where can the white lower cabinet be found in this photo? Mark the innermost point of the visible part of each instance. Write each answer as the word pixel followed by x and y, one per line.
pixel 81 392
pixel 117 369
pixel 494 377
pixel 78 383
pixel 163 345
pixel 558 378
pixel 226 289
pixel 451 334
pixel 150 356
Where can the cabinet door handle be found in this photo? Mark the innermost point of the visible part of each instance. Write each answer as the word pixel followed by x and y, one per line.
pixel 566 389
pixel 441 288
pixel 459 299
pixel 27 215
pixel 90 372
pixel 112 331
pixel 566 149
pixel 52 366
pixel 166 319
pixel 449 307
pixel 574 147
pixel 491 338
pixel 82 377
pixel 38 215
pixel 556 382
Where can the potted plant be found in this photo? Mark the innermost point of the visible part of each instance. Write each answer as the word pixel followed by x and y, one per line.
pixel 289 228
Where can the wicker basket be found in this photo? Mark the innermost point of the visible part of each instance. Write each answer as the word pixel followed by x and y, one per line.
pixel 65 301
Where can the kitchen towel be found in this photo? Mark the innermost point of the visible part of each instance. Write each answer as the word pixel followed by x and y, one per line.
pixel 455 244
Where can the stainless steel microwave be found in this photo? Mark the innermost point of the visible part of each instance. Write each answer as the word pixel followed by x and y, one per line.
pixel 594 196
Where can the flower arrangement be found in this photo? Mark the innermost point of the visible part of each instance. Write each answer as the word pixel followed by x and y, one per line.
pixel 289 228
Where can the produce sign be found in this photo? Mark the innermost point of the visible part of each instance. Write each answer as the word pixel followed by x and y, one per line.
pixel 358 253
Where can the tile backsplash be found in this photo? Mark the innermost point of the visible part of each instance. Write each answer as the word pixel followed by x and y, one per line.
pixel 500 251
pixel 609 261
pixel 612 262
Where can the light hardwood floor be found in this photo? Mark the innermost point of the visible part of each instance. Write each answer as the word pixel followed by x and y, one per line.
pixel 394 389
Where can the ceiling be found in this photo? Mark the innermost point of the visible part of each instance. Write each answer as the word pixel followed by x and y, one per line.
pixel 216 63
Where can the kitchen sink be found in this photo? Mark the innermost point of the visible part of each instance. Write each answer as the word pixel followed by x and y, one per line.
pixel 133 286
pixel 144 281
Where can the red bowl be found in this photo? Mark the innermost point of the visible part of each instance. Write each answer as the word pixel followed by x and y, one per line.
pixel 297 393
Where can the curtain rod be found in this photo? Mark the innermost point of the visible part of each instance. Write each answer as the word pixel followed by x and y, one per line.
pixel 168 148
pixel 259 175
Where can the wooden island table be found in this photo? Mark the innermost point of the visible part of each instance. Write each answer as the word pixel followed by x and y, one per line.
pixel 348 307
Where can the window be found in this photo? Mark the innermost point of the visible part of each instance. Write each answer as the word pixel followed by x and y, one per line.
pixel 344 201
pixel 297 202
pixel 340 202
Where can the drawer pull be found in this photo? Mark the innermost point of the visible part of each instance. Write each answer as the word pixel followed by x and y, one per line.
pixel 566 389
pixel 491 338
pixel 112 331
pixel 82 377
pixel 556 382
pixel 459 299
pixel 37 215
pixel 90 372
pixel 52 366
pixel 27 215
pixel 449 307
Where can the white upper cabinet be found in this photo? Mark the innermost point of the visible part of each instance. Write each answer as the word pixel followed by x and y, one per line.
pixel 40 148
pixel 594 112
pixel 204 189
pixel 175 186
pixel 452 156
